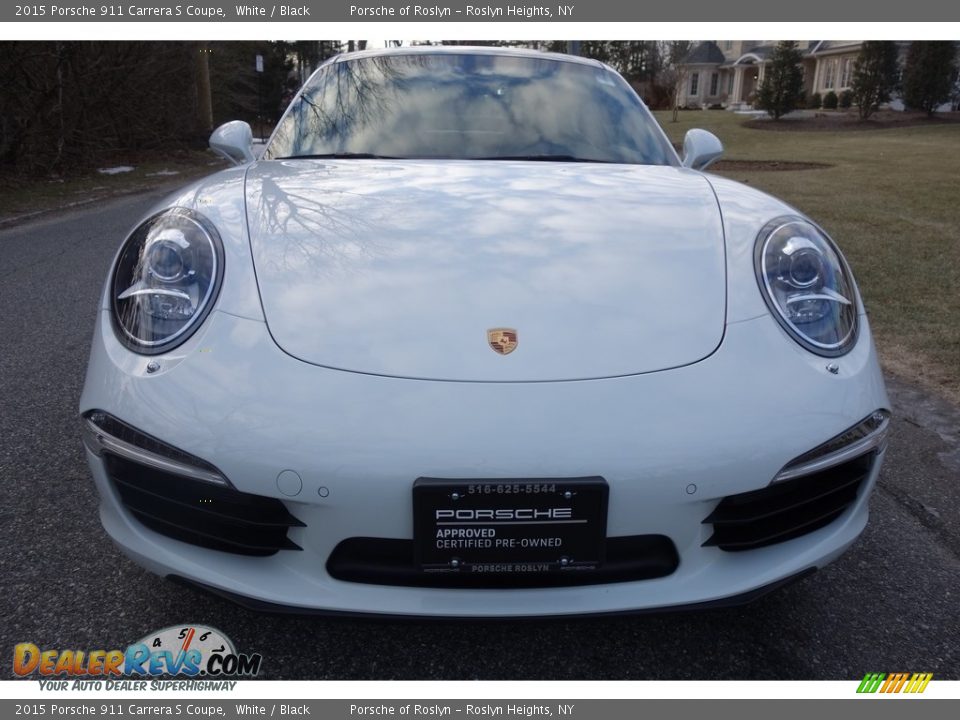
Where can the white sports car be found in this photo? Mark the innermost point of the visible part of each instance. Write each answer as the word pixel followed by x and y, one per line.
pixel 470 339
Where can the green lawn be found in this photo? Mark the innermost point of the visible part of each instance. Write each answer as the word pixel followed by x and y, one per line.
pixel 891 200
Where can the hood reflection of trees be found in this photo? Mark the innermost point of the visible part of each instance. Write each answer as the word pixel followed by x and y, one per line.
pixel 296 215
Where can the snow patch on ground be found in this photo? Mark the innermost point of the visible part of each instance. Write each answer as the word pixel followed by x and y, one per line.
pixel 164 173
pixel 115 170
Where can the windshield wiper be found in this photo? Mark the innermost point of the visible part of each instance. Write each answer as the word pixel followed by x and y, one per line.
pixel 338 156
pixel 544 158
pixel 372 156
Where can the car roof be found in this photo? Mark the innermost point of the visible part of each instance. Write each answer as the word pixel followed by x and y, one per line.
pixel 469 50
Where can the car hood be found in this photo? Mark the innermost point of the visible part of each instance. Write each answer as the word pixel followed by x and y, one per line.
pixel 401 268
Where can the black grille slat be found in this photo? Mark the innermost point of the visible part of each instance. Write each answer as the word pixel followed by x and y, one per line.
pixel 789 509
pixel 193 536
pixel 241 515
pixel 797 498
pixel 203 514
pixel 237 533
pixel 190 492
pixel 761 538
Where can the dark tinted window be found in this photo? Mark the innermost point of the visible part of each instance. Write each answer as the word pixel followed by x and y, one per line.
pixel 468 107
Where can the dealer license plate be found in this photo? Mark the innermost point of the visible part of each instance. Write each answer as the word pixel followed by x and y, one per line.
pixel 509 526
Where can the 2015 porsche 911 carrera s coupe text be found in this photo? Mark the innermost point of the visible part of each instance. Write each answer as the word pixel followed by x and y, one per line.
pixel 470 339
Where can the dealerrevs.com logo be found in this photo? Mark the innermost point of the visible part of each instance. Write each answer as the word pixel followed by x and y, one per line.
pixel 190 651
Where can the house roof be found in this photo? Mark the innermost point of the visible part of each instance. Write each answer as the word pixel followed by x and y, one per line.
pixel 706 53
pixel 761 53
pixel 838 46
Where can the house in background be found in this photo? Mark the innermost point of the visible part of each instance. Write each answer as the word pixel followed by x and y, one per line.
pixel 728 73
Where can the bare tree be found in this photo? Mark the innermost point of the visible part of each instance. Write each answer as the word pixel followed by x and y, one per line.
pixel 675 77
pixel 66 104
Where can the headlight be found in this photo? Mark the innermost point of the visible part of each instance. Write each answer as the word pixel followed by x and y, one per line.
pixel 807 285
pixel 166 280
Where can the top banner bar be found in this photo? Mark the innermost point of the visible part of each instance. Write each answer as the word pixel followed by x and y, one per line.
pixel 457 11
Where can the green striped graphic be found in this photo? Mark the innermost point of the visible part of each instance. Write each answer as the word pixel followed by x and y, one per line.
pixel 871 682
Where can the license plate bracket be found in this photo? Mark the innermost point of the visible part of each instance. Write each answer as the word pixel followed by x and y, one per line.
pixel 500 527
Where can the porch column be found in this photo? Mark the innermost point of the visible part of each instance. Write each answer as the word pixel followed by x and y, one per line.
pixel 737 84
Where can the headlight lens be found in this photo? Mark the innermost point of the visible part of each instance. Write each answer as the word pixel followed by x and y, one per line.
pixel 807 285
pixel 166 280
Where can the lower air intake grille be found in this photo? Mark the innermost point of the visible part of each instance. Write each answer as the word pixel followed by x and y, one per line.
pixel 201 513
pixel 385 561
pixel 789 509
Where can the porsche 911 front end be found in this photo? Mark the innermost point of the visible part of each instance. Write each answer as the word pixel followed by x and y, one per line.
pixel 480 361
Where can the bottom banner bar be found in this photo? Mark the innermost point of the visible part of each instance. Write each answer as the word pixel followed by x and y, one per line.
pixel 589 709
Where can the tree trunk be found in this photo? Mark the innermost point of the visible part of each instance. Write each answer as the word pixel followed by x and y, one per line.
pixel 204 100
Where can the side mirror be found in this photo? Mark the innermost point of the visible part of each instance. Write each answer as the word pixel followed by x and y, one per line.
pixel 233 141
pixel 700 148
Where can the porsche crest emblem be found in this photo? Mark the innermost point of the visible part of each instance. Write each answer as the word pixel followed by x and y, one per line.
pixel 502 340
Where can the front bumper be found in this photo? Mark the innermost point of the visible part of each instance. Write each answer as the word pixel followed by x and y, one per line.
pixel 670 444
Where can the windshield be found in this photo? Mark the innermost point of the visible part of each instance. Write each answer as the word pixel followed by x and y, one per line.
pixel 461 106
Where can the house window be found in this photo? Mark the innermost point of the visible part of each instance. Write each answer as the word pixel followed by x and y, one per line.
pixel 694 83
pixel 845 72
pixel 714 83
pixel 728 44
pixel 830 74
